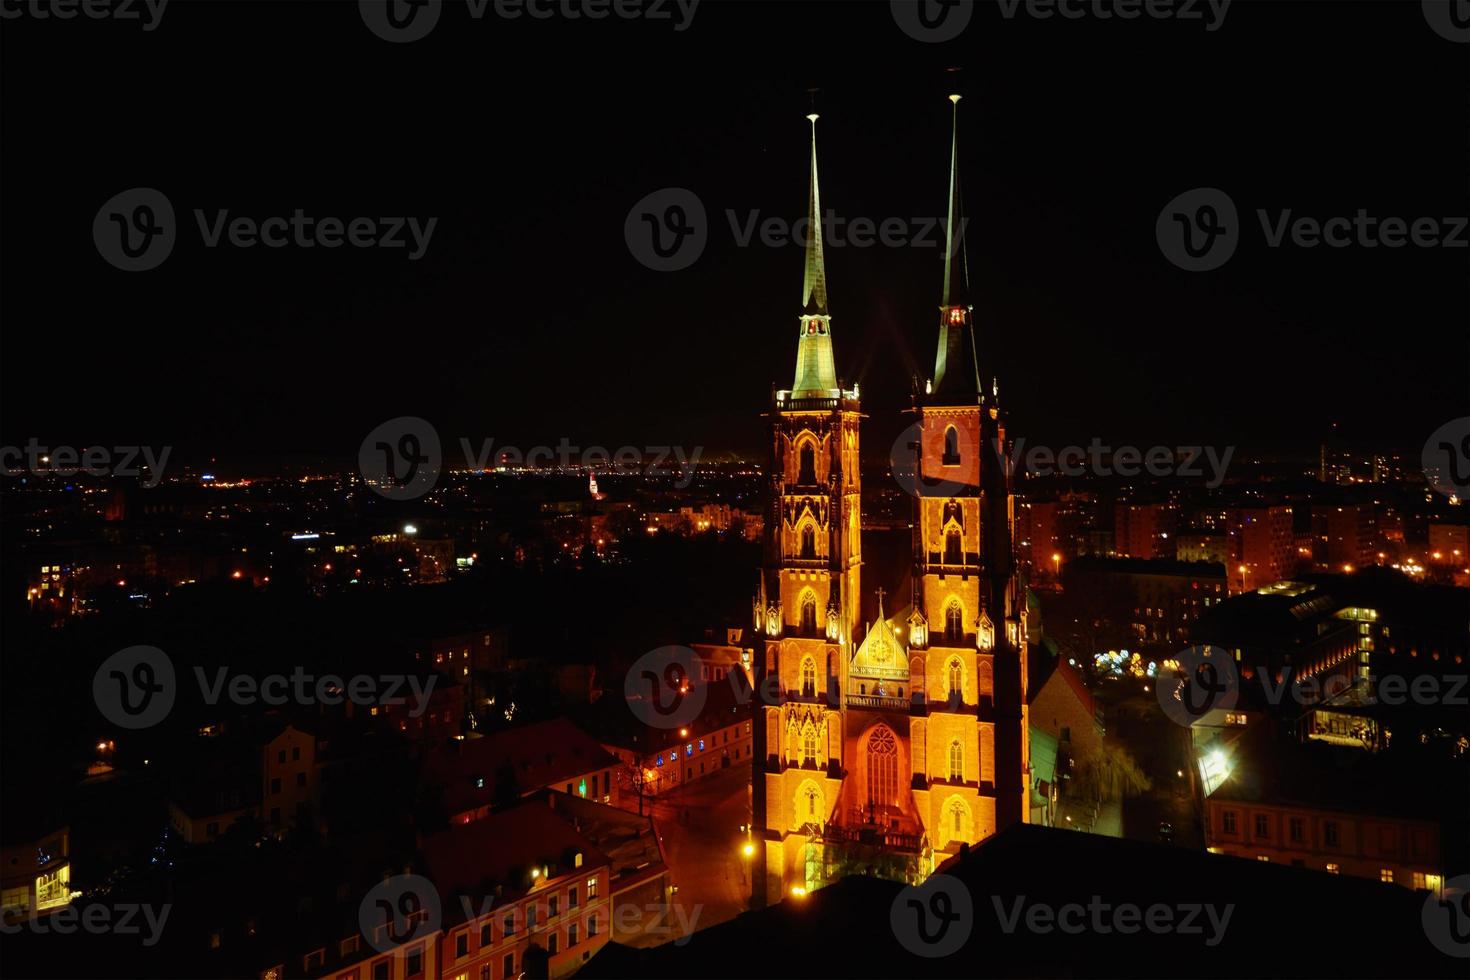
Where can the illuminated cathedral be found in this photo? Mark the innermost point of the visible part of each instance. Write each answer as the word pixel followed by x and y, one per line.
pixel 886 742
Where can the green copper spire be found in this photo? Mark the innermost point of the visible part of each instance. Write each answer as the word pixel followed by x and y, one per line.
pixel 956 371
pixel 816 374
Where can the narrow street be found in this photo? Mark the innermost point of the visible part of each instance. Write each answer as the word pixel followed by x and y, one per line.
pixel 699 824
pixel 1161 749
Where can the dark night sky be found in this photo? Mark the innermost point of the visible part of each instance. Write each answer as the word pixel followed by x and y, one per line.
pixel 528 320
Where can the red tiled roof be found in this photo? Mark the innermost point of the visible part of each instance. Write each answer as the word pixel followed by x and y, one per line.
pixel 467 857
pixel 545 754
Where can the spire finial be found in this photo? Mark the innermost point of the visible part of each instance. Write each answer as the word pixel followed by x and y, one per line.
pixel 815 368
pixel 956 330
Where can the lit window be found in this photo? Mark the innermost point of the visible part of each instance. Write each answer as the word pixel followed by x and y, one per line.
pixel 1385 875
pixel 591 888
pixel 1333 869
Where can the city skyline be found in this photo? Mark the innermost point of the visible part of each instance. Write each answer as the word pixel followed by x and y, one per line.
pixel 427 556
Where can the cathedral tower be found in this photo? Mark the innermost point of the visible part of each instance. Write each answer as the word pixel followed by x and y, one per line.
pixel 882 747
pixel 807 598
pixel 966 625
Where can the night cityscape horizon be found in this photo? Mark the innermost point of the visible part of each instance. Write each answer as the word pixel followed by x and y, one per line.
pixel 439 542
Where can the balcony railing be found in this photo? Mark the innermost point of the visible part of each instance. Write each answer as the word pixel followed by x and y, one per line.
pixel 886 837
pixel 880 702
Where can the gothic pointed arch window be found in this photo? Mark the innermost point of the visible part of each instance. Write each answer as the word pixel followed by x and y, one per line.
pixel 956 762
pixel 954 622
pixel 809 745
pixel 956 685
pixel 813 804
pixel 809 542
pixel 808 677
pixel 957 819
pixel 808 474
pixel 882 753
pixel 951 447
pixel 954 547
pixel 808 615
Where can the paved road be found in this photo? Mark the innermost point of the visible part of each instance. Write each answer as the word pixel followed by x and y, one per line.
pixel 1162 750
pixel 699 824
